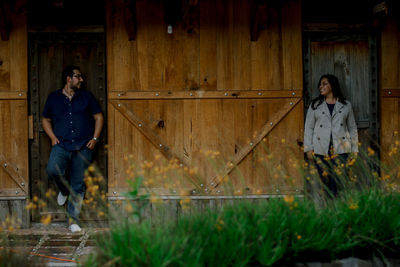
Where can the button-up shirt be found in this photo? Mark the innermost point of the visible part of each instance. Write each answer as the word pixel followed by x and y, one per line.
pixel 72 120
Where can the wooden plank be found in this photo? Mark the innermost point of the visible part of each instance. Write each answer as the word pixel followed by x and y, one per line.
pixel 208 45
pixel 14 174
pixel 146 131
pixel 241 45
pixel 225 32
pixel 257 138
pixel 4 66
pixel 12 192
pixel 266 54
pixel 393 92
pixel 223 94
pixel 292 44
pixel 121 65
pixel 390 56
pixel 390 122
pixel 13 95
pixel 19 49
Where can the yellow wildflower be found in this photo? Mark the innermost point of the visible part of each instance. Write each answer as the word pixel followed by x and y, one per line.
pixel 283 140
pixel 128 208
pixel 288 199
pixel 220 224
pixel 298 237
pixel 353 206
pixel 35 198
pixel 325 173
pixel 351 162
pixel 91 168
pixel 46 220
pixel 100 214
pixel 371 152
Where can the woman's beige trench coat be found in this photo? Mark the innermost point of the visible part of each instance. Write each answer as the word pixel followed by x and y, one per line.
pixel 320 125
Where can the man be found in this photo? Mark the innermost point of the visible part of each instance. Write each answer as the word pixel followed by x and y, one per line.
pixel 73 120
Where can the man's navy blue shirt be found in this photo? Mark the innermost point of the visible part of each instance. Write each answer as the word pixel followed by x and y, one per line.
pixel 73 122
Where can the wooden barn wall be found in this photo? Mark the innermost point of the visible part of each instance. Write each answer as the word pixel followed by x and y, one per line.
pixel 390 88
pixel 14 180
pixel 209 93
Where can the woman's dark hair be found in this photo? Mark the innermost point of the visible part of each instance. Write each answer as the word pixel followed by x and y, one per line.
pixel 68 71
pixel 336 90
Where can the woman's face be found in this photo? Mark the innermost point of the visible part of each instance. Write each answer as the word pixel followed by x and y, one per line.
pixel 325 87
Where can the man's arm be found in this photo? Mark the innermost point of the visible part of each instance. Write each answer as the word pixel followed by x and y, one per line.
pixel 98 126
pixel 46 124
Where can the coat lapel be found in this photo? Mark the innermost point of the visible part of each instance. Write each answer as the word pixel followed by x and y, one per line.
pixel 338 107
pixel 324 108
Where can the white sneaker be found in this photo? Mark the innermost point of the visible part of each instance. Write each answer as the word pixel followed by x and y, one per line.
pixel 61 199
pixel 74 228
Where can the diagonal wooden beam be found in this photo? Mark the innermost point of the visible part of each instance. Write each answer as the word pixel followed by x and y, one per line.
pixel 13 173
pixel 146 131
pixel 265 130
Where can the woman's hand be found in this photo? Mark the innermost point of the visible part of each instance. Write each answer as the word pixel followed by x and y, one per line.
pixel 310 154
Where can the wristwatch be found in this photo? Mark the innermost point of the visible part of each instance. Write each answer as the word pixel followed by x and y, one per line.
pixel 95 139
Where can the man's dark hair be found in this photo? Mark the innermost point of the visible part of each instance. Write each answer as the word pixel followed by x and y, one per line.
pixel 68 71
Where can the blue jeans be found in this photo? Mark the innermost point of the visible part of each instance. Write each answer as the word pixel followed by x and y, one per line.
pixel 67 169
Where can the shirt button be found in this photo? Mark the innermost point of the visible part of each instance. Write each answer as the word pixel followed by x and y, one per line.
pixel 70 113
pixel 320 125
pixel 343 138
pixel 70 122
pixel 73 141
pixel 72 131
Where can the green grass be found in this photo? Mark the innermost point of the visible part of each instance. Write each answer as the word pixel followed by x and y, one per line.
pixel 273 232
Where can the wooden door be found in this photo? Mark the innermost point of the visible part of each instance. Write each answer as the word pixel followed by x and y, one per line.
pixel 14 178
pixel 49 53
pixel 351 57
pixel 212 102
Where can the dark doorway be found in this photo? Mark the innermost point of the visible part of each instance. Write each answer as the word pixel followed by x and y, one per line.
pixel 49 53
pixel 352 58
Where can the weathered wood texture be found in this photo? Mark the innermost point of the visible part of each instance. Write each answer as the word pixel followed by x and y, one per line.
pixel 14 179
pixel 390 82
pixel 216 55
pixel 349 62
pixel 206 91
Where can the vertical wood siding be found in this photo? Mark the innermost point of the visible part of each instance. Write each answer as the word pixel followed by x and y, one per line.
pixel 13 108
pixel 152 77
pixel 390 87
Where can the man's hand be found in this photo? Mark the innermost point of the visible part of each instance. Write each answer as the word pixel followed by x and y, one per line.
pixel 310 154
pixel 54 141
pixel 91 144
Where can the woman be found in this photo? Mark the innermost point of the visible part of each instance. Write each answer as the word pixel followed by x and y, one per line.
pixel 330 130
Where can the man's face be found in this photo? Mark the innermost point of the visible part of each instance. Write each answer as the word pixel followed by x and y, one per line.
pixel 75 80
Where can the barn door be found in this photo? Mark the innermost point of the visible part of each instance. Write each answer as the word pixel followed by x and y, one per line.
pixel 14 179
pixel 49 53
pixel 352 58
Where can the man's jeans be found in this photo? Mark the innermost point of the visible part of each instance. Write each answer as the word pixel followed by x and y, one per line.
pixel 67 169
